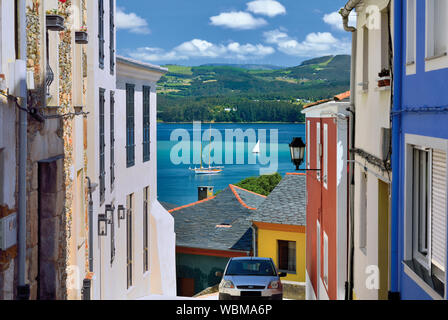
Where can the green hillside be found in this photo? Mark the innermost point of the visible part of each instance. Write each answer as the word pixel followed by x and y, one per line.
pixel 245 93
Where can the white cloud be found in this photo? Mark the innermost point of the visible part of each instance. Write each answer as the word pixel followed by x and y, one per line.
pixel 334 19
pixel 131 22
pixel 268 8
pixel 315 44
pixel 198 48
pixel 237 20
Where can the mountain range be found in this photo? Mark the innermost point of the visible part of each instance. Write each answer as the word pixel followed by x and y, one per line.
pixel 271 93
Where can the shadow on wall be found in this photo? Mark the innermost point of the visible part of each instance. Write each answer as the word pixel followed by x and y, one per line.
pixel 191 281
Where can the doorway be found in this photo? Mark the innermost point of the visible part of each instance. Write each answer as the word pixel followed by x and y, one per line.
pixel 383 238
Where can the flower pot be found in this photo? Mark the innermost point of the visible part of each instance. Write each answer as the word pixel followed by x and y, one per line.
pixel 81 37
pixel 384 82
pixel 55 22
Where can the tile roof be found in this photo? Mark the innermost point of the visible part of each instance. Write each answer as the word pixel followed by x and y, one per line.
pixel 206 224
pixel 339 97
pixel 286 204
pixel 342 96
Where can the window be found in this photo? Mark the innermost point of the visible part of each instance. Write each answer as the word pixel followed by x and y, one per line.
pixel 325 147
pixel 146 122
pixel 436 25
pixel 318 151
pixel 325 259
pixel 287 256
pixel 429 209
pixel 385 39
pixel 101 32
pixel 426 211
pixel 130 123
pixel 410 31
pixel 112 140
pixel 145 229
pixel 2 178
pixel 102 148
pixel 129 245
pixel 308 145
pixel 365 63
pixel 112 36
pixel 363 213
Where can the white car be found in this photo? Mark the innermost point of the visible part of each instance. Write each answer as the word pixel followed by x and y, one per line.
pixel 250 278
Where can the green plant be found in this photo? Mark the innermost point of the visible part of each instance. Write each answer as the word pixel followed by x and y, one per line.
pixel 52 11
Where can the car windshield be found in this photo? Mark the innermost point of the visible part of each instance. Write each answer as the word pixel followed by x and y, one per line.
pixel 250 268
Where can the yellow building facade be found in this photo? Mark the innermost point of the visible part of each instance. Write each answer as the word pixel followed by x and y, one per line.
pixel 268 239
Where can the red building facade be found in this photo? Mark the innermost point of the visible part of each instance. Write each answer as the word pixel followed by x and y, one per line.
pixel 327 131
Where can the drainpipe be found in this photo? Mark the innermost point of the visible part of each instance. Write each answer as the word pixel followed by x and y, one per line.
pixel 23 289
pixel 396 126
pixel 254 241
pixel 91 189
pixel 345 13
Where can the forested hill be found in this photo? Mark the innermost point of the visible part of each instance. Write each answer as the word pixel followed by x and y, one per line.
pixel 245 93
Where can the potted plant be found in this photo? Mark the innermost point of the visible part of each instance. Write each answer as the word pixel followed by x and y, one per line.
pixel 55 22
pixel 384 79
pixel 81 36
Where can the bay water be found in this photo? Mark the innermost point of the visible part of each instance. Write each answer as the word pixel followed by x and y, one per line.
pixel 177 184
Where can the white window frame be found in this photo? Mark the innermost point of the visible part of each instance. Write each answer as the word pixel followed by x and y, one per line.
pixel 318 151
pixel 413 142
pixel 325 156
pixel 411 23
pixel 325 279
pixel 435 60
pixel 308 144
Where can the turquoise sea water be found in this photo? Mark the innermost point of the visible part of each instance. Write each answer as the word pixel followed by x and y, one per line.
pixel 178 185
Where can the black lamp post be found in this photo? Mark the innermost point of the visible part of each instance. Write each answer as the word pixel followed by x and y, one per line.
pixel 297 149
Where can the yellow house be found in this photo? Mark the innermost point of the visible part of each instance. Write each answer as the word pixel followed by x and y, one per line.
pixel 280 225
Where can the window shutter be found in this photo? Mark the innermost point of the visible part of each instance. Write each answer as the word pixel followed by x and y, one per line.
pixel 438 220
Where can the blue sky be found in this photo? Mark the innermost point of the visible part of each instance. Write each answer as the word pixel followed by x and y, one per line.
pixel 195 32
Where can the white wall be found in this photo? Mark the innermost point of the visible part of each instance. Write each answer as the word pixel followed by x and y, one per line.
pixel 372 114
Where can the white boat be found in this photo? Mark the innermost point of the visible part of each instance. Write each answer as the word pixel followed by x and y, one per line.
pixel 210 169
pixel 256 149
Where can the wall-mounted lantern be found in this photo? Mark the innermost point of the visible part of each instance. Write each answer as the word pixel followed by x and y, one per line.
pixel 121 212
pixel 109 213
pixel 297 149
pixel 102 225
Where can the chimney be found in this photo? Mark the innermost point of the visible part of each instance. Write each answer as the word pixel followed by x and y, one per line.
pixel 205 193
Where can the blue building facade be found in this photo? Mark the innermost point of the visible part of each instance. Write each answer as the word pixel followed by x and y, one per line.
pixel 420 147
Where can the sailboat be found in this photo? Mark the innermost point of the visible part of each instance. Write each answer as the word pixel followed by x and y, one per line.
pixel 209 169
pixel 256 149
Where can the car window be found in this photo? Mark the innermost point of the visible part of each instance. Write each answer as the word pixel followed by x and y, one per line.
pixel 250 268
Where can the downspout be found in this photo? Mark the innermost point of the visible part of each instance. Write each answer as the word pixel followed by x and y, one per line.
pixel 90 189
pixel 254 241
pixel 23 289
pixel 345 13
pixel 396 126
pixel 87 282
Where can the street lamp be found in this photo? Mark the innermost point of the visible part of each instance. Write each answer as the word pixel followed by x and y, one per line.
pixel 297 149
